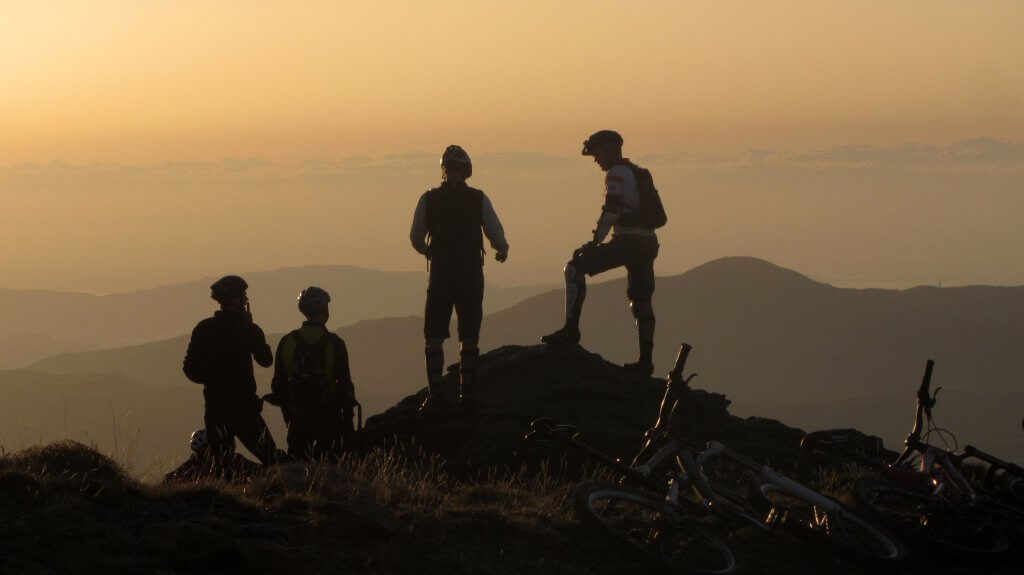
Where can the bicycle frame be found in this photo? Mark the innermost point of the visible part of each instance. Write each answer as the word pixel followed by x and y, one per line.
pixel 689 462
pixel 765 474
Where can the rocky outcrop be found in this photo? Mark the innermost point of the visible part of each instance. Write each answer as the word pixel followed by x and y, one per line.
pixel 610 407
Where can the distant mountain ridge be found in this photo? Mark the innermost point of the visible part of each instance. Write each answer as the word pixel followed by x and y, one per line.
pixel 169 311
pixel 775 342
pixel 782 345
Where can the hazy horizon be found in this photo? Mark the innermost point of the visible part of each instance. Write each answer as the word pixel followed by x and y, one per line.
pixel 864 144
pixel 852 216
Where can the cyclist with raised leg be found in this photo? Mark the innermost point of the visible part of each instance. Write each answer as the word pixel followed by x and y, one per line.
pixel 631 212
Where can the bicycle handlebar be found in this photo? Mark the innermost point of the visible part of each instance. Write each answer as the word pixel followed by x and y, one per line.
pixel 927 400
pixel 677 369
pixel 673 389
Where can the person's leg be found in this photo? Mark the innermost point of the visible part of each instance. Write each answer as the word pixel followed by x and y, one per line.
pixel 252 431
pixel 469 307
pixel 300 438
pixel 643 313
pixel 575 295
pixel 640 291
pixel 589 261
pixel 436 317
pixel 219 436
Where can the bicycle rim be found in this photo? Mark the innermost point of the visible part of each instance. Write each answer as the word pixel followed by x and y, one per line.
pixel 635 518
pixel 929 521
pixel 842 530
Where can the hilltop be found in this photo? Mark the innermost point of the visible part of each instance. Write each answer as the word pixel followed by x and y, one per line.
pixel 777 343
pixel 609 406
pixel 453 492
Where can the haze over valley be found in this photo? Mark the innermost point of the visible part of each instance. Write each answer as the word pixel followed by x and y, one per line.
pixel 776 343
pixel 842 182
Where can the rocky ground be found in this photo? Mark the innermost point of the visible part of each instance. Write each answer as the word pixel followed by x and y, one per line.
pixel 454 491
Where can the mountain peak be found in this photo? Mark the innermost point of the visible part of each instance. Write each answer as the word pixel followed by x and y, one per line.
pixel 749 270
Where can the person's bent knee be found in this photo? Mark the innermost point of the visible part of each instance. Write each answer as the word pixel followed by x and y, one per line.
pixel 572 273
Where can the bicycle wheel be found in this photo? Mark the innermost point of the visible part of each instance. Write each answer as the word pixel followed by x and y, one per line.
pixel 685 542
pixel 929 521
pixel 842 531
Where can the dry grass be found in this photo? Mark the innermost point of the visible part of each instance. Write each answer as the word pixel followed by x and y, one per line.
pixel 65 505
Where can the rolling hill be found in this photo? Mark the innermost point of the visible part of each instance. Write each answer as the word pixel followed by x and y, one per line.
pixel 150 315
pixel 776 343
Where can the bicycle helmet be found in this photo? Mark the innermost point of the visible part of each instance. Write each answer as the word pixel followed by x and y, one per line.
pixel 456 156
pixel 198 440
pixel 312 300
pixel 227 288
pixel 601 138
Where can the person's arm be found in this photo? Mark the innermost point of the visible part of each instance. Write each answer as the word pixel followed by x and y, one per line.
pixel 195 363
pixel 260 348
pixel 614 194
pixel 418 233
pixel 342 371
pixel 279 384
pixel 493 230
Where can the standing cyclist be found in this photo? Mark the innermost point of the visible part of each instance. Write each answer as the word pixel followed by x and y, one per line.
pixel 220 356
pixel 631 211
pixel 313 384
pixel 446 230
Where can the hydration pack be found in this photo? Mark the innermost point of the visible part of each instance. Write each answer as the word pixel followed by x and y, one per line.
pixel 651 213
pixel 309 383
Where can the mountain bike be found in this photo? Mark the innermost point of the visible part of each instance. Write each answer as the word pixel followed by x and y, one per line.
pixel 667 509
pixel 926 496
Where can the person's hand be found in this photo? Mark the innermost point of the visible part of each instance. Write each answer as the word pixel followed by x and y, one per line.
pixel 501 256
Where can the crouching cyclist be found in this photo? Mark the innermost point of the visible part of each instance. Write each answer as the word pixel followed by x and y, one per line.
pixel 312 383
pixel 220 357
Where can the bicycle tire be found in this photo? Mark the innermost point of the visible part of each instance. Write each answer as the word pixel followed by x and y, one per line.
pixel 844 533
pixel 688 544
pixel 1015 490
pixel 928 521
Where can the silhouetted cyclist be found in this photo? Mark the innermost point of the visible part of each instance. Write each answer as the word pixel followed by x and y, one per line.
pixel 220 356
pixel 312 382
pixel 446 230
pixel 633 245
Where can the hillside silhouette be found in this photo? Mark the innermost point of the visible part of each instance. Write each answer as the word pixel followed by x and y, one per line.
pixel 781 345
pixel 610 407
pixel 776 343
pixel 450 492
pixel 436 494
pixel 135 317
pixel 18 351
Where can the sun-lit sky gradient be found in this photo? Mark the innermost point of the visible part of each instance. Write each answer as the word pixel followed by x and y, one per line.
pixel 148 102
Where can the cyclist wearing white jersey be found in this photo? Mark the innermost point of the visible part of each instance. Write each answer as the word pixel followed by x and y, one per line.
pixel 633 245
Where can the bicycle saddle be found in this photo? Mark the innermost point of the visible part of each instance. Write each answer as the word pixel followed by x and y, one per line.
pixel 815 445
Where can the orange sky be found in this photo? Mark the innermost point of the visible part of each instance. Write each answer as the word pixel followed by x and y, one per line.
pixel 125 81
pixel 148 102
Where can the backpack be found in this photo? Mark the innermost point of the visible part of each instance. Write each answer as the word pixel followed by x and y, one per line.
pixel 308 383
pixel 651 213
